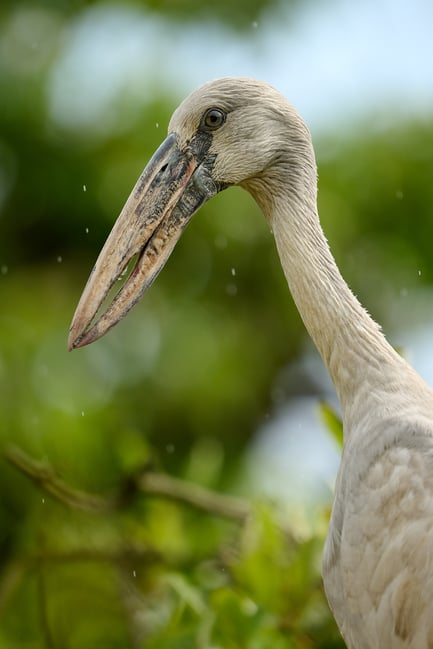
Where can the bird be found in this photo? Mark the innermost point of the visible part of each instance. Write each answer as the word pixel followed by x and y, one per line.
pixel 378 555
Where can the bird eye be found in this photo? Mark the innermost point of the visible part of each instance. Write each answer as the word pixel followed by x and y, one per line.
pixel 213 119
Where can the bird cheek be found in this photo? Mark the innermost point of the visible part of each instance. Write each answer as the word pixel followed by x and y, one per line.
pixel 226 170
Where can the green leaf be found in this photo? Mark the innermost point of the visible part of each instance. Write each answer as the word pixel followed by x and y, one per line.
pixel 332 422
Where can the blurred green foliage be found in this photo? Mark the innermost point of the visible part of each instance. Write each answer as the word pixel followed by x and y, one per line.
pixel 240 15
pixel 181 385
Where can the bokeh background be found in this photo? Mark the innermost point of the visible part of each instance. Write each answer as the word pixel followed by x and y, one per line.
pixel 211 379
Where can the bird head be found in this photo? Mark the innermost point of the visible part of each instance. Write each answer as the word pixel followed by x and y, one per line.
pixel 230 131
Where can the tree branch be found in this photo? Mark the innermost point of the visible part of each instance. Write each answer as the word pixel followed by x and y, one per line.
pixel 149 483
pixel 43 608
pixel 44 476
pixel 165 486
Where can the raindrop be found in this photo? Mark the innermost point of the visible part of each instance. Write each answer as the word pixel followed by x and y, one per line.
pixel 157 124
pixel 233 271
pixel 419 273
pixel 134 574
pixel 59 259
pixel 43 501
pixel 87 230
pixel 82 413
pixel 84 188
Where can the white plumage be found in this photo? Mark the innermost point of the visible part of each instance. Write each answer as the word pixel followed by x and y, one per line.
pixel 378 558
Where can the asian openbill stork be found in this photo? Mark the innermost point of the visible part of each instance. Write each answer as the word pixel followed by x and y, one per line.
pixel 378 558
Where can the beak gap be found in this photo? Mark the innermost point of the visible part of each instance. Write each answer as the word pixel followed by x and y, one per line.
pixel 120 282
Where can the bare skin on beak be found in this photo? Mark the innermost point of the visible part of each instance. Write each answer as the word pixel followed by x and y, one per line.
pixel 170 190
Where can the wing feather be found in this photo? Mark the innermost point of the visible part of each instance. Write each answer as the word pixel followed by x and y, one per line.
pixel 378 561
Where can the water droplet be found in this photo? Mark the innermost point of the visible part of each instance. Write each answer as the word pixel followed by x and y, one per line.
pixel 84 188
pixel 419 273
pixel 87 230
pixel 59 259
pixel 134 574
pixel 233 271
pixel 82 413
pixel 43 501
pixel 157 124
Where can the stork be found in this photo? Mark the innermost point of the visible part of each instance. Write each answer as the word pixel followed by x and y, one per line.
pixel 378 556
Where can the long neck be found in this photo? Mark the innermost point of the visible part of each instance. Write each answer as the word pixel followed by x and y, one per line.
pixel 351 344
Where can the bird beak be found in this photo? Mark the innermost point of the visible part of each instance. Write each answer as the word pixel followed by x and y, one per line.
pixel 172 187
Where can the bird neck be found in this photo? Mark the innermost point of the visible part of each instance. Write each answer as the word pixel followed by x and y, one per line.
pixel 351 344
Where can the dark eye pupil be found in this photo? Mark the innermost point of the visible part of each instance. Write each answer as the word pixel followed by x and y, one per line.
pixel 214 118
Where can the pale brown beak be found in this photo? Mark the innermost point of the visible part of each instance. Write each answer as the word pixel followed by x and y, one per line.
pixel 170 190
